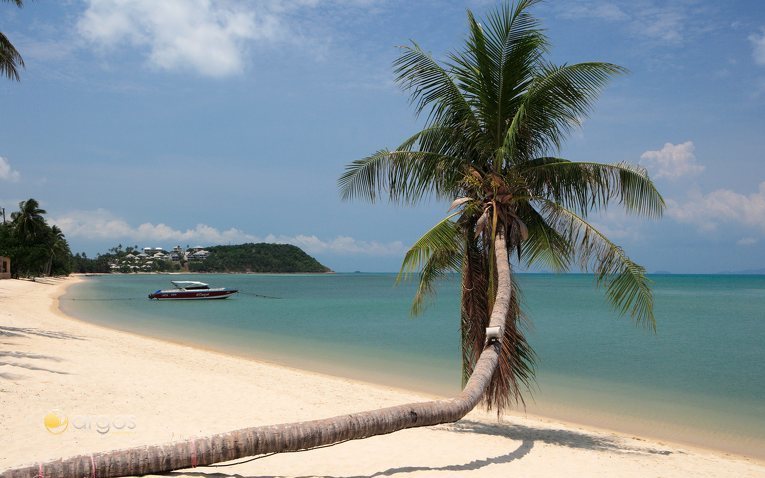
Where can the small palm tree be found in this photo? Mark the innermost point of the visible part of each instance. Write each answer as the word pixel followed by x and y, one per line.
pixel 10 59
pixel 497 113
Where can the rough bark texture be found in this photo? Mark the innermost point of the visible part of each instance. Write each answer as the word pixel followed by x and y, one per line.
pixel 291 436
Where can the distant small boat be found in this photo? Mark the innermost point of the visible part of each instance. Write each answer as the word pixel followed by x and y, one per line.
pixel 192 290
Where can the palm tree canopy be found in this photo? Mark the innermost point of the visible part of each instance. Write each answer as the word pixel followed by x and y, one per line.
pixel 10 58
pixel 496 114
pixel 28 221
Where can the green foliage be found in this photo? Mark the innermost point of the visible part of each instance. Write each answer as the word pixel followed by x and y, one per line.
pixel 10 58
pixel 81 264
pixel 263 257
pixel 35 248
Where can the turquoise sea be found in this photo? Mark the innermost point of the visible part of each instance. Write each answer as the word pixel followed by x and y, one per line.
pixel 699 380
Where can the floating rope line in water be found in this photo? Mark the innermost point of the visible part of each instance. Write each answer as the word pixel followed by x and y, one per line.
pixel 137 298
pixel 114 298
pixel 260 295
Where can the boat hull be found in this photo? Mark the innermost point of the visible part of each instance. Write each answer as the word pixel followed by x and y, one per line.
pixel 192 294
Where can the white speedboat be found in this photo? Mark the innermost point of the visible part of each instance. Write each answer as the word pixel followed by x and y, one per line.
pixel 192 290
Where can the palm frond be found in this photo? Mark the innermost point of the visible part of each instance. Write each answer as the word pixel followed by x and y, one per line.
pixel 627 287
pixel 365 178
pixel 589 186
pixel 557 100
pixel 432 88
pixel 517 40
pixel 544 244
pixel 440 262
pixel 406 176
pixel 10 59
pixel 437 251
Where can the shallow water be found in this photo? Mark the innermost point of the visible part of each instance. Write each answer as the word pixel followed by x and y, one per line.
pixel 699 379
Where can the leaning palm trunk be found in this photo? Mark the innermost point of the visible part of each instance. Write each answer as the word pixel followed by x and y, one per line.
pixel 294 436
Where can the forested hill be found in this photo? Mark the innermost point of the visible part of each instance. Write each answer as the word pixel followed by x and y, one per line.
pixel 261 257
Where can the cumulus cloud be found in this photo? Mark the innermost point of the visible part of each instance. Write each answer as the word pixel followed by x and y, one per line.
pixel 204 36
pixel 213 38
pixel 672 161
pixel 6 172
pixel 101 224
pixel 758 45
pixel 709 211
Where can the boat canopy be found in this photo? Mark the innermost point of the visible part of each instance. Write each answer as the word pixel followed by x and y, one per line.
pixel 189 284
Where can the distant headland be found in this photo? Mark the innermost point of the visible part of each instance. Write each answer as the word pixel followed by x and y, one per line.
pixel 242 258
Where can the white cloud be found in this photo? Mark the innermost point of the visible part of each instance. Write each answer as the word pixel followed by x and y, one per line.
pixel 604 11
pixel 656 21
pixel 709 211
pixel 211 37
pixel 101 224
pixel 747 241
pixel 672 161
pixel 204 36
pixel 664 25
pixel 6 172
pixel 758 45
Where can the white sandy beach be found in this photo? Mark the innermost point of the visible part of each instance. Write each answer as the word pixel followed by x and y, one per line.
pixel 119 390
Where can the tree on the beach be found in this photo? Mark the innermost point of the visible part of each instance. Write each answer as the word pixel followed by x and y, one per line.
pixel 58 249
pixel 497 112
pixel 10 58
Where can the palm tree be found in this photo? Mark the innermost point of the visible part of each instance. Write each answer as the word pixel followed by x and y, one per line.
pixel 28 221
pixel 495 111
pixel 10 59
pixel 497 114
pixel 57 246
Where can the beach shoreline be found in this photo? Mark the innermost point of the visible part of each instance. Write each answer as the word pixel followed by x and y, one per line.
pixel 161 384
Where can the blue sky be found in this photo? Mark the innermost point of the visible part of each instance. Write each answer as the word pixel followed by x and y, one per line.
pixel 199 122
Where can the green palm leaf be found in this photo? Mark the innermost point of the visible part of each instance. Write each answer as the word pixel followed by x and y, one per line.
pixel 627 287
pixel 407 176
pixel 10 59
pixel 544 243
pixel 587 186
pixel 557 100
pixel 436 252
pixel 433 88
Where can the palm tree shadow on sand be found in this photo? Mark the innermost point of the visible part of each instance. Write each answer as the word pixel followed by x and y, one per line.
pixel 528 436
pixel 10 358
pixel 516 454
pixel 552 436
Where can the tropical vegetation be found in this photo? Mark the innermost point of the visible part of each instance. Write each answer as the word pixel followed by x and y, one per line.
pixel 10 58
pixel 35 248
pixel 262 257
